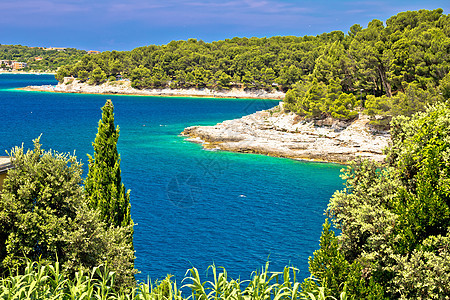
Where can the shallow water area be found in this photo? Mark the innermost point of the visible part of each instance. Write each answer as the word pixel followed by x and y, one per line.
pixel 191 207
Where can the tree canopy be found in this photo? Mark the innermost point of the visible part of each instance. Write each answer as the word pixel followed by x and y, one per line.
pixel 38 203
pixel 394 221
pixel 395 69
pixel 385 63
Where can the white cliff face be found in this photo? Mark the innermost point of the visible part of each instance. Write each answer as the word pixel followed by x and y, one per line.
pixel 285 135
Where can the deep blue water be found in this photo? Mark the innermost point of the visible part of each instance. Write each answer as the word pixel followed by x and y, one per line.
pixel 191 207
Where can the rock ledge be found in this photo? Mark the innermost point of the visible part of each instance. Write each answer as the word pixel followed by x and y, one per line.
pixel 275 133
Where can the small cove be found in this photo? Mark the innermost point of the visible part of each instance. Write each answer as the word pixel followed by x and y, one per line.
pixel 192 207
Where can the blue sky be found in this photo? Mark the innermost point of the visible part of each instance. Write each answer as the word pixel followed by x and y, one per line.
pixel 127 24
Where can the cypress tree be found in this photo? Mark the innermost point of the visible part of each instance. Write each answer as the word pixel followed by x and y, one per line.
pixel 103 185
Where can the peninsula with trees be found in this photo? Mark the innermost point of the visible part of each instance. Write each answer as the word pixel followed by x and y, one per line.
pixel 327 83
pixel 386 65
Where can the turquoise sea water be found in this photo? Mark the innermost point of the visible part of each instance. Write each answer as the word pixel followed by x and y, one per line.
pixel 191 207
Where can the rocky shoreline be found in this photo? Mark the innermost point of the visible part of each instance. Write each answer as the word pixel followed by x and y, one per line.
pixel 123 87
pixel 272 132
pixel 276 133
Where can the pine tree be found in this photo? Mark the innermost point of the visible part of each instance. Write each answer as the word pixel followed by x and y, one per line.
pixel 103 185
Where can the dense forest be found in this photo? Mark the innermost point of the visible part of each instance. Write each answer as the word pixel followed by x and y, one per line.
pixel 37 58
pixel 391 69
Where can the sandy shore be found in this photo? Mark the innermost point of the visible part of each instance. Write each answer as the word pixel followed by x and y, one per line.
pixel 276 133
pixel 124 88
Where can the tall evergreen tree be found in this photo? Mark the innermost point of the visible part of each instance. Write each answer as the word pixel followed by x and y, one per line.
pixel 103 185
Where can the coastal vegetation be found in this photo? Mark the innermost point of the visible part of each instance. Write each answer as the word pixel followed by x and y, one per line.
pixel 48 282
pixel 45 215
pixel 103 186
pixel 389 69
pixel 394 220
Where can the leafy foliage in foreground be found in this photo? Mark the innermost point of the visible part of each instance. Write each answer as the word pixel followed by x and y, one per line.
pixel 394 221
pixel 44 215
pixel 48 282
pixel 38 202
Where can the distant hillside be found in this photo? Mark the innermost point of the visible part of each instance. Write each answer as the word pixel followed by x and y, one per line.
pixel 39 58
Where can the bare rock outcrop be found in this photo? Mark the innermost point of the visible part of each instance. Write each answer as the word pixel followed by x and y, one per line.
pixel 280 134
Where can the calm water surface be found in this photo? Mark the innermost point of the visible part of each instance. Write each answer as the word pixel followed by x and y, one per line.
pixel 191 207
